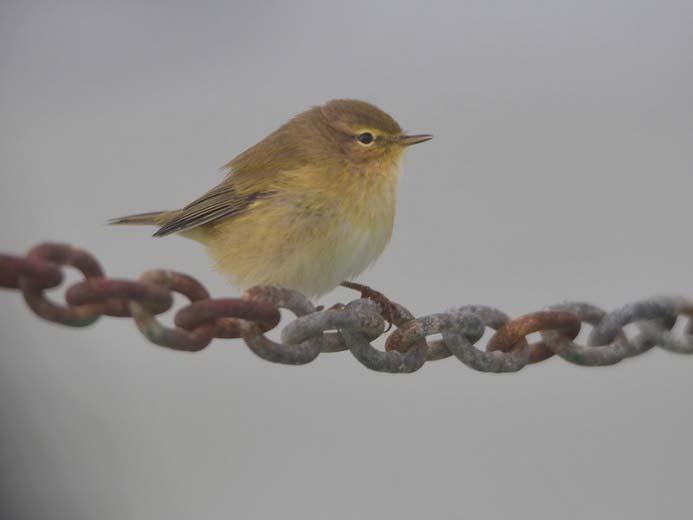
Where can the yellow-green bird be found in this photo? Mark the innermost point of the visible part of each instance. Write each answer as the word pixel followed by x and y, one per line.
pixel 309 206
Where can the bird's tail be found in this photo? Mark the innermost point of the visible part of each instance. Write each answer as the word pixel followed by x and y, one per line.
pixel 153 218
pixel 161 218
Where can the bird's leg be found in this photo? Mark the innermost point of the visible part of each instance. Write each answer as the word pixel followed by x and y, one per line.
pixel 388 307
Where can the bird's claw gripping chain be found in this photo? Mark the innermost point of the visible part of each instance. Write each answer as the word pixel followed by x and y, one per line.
pixel 388 306
pixel 346 327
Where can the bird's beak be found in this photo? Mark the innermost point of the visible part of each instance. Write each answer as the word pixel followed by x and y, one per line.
pixel 408 140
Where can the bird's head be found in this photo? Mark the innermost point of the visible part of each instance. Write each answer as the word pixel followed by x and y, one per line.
pixel 342 135
pixel 365 133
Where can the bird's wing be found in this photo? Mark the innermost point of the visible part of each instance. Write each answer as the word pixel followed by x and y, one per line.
pixel 220 202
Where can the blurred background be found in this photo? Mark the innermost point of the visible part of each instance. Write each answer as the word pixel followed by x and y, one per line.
pixel 561 169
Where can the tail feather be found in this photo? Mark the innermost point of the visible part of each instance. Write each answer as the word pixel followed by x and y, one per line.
pixel 161 218
pixel 153 218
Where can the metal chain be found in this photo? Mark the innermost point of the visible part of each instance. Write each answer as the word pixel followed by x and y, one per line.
pixel 352 327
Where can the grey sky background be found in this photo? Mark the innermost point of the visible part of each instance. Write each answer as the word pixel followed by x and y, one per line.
pixel 561 169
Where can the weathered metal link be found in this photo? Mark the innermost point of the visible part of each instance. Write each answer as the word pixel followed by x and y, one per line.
pixel 319 323
pixel 511 333
pixel 294 354
pixel 653 309
pixel 655 333
pixel 463 348
pixel 607 343
pixel 414 332
pixel 265 315
pixel 12 268
pixel 392 361
pixel 585 355
pixel 110 297
pixel 177 338
pixel 342 327
pixel 33 287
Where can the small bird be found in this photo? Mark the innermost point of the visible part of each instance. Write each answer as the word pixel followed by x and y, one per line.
pixel 308 207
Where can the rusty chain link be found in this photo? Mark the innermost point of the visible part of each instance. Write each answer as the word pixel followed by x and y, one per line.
pixel 352 327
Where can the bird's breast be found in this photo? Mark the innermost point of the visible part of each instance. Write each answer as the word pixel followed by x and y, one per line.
pixel 310 240
pixel 354 229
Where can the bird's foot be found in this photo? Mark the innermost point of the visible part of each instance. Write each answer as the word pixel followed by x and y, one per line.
pixel 389 310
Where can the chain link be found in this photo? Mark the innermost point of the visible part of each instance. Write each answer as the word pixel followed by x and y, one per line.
pixel 352 327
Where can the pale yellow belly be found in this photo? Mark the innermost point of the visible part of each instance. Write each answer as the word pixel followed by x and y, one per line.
pixel 312 252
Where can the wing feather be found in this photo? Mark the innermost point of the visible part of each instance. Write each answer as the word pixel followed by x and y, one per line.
pixel 223 201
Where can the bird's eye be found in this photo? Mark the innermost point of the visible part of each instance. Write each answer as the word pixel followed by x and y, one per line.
pixel 365 138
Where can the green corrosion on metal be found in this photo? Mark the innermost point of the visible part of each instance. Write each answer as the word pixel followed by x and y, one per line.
pixel 152 332
pixel 576 358
pixel 80 322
